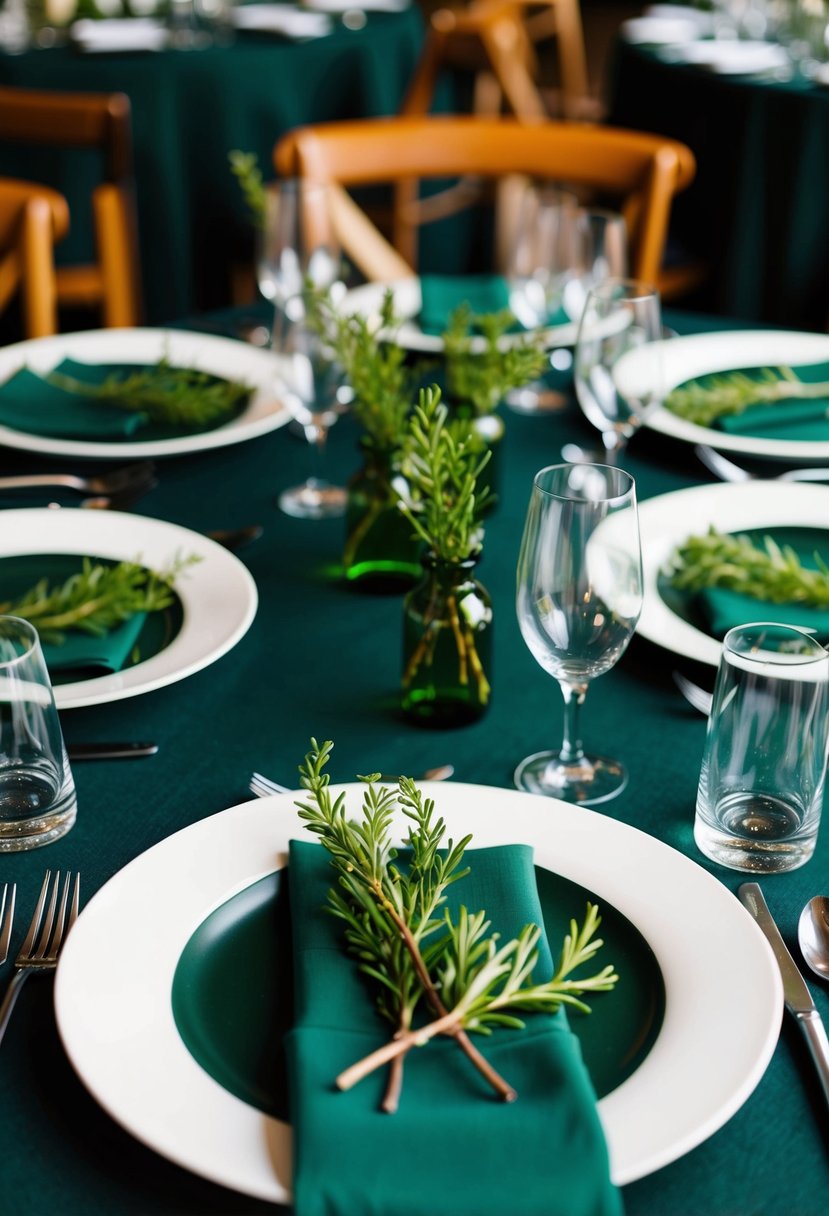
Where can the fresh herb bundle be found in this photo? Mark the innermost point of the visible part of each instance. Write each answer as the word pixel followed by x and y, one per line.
pixel 97 598
pixel 442 462
pixel 716 396
pixel 468 978
pixel 179 396
pixel 481 378
pixel 245 168
pixel 769 572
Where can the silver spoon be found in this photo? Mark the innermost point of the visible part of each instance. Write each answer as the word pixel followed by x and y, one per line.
pixel 813 935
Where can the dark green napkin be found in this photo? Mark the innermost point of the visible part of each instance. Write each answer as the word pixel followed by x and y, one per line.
pixel 791 419
pixel 441 294
pixel 30 403
pixel 83 656
pixel 452 1147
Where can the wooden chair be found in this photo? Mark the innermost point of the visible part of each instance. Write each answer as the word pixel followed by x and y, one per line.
pixel 640 170
pixel 32 219
pixel 89 121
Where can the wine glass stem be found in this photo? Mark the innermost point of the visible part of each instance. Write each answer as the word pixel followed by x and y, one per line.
pixel 572 749
pixel 316 436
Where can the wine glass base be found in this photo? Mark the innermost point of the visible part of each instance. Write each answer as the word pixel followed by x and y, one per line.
pixel 589 781
pixel 313 500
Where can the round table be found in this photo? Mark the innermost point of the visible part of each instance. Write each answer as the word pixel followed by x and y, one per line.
pixel 190 109
pixel 756 212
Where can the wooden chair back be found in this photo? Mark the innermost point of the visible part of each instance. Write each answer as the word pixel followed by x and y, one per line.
pixel 643 171
pixel 32 219
pixel 99 121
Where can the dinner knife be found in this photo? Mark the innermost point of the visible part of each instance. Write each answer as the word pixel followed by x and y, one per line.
pixel 796 995
pixel 110 751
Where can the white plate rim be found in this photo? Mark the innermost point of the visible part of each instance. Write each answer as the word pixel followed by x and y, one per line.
pixel 668 519
pixel 368 297
pixel 189 348
pixel 118 1029
pixel 723 350
pixel 218 594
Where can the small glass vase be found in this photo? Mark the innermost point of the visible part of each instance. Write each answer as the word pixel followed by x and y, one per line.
pixel 447 645
pixel 381 554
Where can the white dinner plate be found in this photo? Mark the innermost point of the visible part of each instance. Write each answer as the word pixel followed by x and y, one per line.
pixel 728 350
pixel 408 301
pixel 283 19
pixel 218 596
pixel 667 520
pixel 223 357
pixel 731 56
pixel 722 1017
pixel 656 31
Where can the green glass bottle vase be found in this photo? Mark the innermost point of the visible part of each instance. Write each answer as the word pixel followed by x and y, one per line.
pixel 380 554
pixel 447 645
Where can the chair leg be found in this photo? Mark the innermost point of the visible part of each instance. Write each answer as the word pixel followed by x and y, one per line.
pixel 39 291
pixel 115 249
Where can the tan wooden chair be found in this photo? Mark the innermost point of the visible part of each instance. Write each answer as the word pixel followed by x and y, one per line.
pixel 99 121
pixel 32 219
pixel 642 171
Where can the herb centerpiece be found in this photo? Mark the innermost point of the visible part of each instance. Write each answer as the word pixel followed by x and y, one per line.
pixel 453 972
pixel 448 615
pixel 729 394
pixel 769 571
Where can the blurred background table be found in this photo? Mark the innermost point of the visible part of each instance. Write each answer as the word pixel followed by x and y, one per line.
pixel 755 213
pixel 189 110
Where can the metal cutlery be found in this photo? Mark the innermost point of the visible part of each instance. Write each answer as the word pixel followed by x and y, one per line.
pixel 813 935
pixel 796 995
pixel 263 787
pixel 236 538
pixel 110 751
pixel 6 918
pixel 50 924
pixel 693 694
pixel 117 481
pixel 727 470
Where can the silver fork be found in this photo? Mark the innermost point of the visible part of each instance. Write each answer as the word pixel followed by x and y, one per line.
pixel 727 470
pixel 50 925
pixel 693 694
pixel 263 787
pixel 6 919
pixel 117 481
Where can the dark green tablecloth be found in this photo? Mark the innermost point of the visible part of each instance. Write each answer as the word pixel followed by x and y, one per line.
pixel 756 212
pixel 323 659
pixel 189 109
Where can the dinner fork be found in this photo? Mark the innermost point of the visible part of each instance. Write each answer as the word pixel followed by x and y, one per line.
pixel 117 481
pixel 727 470
pixel 693 694
pixel 50 925
pixel 263 787
pixel 6 918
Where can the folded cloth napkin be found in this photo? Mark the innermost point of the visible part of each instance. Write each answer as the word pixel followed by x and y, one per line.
pixel 441 294
pixel 29 403
pixel 787 419
pixel 452 1146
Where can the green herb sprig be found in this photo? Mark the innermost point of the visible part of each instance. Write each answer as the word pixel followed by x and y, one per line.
pixel 717 396
pixel 179 396
pixel 245 168
pixel 468 978
pixel 481 370
pixel 97 598
pixel 769 572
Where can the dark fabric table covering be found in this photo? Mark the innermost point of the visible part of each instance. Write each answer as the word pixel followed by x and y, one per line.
pixel 189 110
pixel 755 213
pixel 323 659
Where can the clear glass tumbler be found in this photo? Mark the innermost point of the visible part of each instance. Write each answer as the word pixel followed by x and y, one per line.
pixel 38 803
pixel 764 765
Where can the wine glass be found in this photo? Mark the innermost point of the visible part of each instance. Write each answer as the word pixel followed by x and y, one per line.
pixel 601 252
pixel 579 596
pixel 618 371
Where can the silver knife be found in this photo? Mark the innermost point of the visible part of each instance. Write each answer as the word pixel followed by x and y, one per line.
pixel 796 995
pixel 110 751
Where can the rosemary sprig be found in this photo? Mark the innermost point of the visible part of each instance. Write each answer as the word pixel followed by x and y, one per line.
pixel 97 598
pixel 179 396
pixel 469 979
pixel 245 168
pixel 769 572
pixel 704 401
pixel 482 378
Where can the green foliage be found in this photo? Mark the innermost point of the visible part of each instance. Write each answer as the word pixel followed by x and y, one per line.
pixel 711 397
pixel 96 599
pixel 245 168
pixel 772 572
pixel 178 396
pixel 442 462
pixel 481 378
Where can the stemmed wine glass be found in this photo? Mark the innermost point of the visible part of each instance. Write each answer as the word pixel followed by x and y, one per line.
pixel 579 596
pixel 618 372
pixel 299 256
